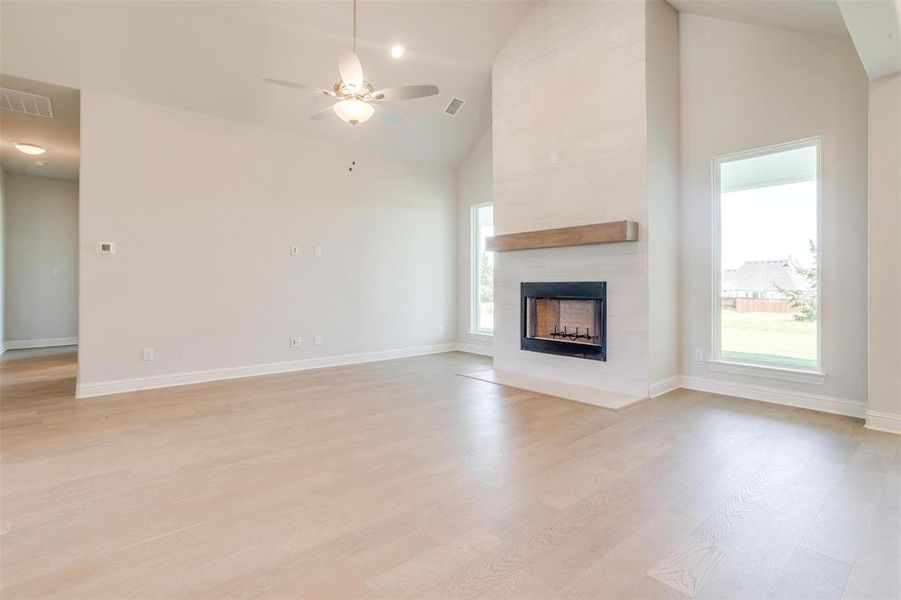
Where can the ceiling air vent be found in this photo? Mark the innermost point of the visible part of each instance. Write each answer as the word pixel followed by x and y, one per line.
pixel 453 107
pixel 25 103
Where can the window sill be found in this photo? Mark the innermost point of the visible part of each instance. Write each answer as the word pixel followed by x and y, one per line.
pixel 482 333
pixel 781 373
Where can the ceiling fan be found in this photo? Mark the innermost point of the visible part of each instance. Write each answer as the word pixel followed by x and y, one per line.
pixel 357 97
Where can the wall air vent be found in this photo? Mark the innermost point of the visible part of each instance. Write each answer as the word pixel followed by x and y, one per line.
pixel 453 107
pixel 25 103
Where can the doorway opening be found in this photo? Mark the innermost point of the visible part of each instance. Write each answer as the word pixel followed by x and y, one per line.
pixel 39 204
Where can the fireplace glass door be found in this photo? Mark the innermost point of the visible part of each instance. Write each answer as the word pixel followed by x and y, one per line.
pixel 565 318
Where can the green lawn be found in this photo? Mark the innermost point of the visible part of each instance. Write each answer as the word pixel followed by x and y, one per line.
pixel 771 337
pixel 486 316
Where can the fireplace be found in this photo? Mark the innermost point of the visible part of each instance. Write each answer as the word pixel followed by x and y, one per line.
pixel 566 318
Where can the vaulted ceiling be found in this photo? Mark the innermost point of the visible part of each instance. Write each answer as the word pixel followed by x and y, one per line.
pixel 210 57
pixel 820 17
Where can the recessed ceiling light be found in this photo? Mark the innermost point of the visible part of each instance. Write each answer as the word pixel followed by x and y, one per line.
pixel 30 149
pixel 397 51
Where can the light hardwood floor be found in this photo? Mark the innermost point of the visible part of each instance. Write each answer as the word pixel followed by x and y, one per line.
pixel 401 479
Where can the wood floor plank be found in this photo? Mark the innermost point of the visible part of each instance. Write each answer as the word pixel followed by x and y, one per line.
pixel 521 586
pixel 411 578
pixel 842 524
pixel 687 568
pixel 876 572
pixel 811 575
pixel 766 543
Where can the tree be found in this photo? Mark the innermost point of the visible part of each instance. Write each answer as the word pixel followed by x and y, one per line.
pixel 486 279
pixel 804 301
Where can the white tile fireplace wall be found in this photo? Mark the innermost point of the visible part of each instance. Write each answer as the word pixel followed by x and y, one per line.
pixel 622 266
pixel 571 146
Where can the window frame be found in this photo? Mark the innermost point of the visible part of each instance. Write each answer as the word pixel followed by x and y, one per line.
pixel 474 275
pixel 776 370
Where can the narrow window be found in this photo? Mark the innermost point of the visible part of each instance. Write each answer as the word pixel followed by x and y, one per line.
pixel 766 243
pixel 482 270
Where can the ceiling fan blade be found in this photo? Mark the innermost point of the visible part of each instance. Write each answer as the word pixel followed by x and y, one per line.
pixel 383 114
pixel 322 114
pixel 299 86
pixel 351 70
pixel 407 92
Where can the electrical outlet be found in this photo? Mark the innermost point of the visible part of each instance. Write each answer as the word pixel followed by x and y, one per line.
pixel 148 353
pixel 317 340
pixel 295 250
pixel 317 250
pixel 106 248
pixel 295 342
pixel 440 329
pixel 699 354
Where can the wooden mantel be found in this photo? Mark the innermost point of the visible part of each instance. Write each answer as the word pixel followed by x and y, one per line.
pixel 581 235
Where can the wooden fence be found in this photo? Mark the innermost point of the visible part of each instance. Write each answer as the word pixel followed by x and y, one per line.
pixel 746 305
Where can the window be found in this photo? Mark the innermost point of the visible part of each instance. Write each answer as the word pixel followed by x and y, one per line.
pixel 766 224
pixel 482 270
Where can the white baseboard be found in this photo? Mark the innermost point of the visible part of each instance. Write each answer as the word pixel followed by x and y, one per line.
pixel 658 388
pixel 475 348
pixel 829 404
pixel 883 421
pixel 103 388
pixel 42 343
pixel 875 420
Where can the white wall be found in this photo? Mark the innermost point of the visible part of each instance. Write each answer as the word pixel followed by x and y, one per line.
pixel 662 80
pixel 743 87
pixel 203 212
pixel 2 260
pixel 474 186
pixel 544 104
pixel 884 376
pixel 41 258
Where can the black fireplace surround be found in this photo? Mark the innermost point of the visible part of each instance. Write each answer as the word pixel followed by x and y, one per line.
pixel 565 318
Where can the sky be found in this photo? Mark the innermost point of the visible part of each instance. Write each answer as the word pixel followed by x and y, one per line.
pixel 768 223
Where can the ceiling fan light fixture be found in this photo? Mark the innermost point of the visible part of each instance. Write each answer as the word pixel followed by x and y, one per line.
pixel 353 111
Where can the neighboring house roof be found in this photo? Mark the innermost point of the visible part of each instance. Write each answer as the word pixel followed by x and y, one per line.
pixel 764 276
